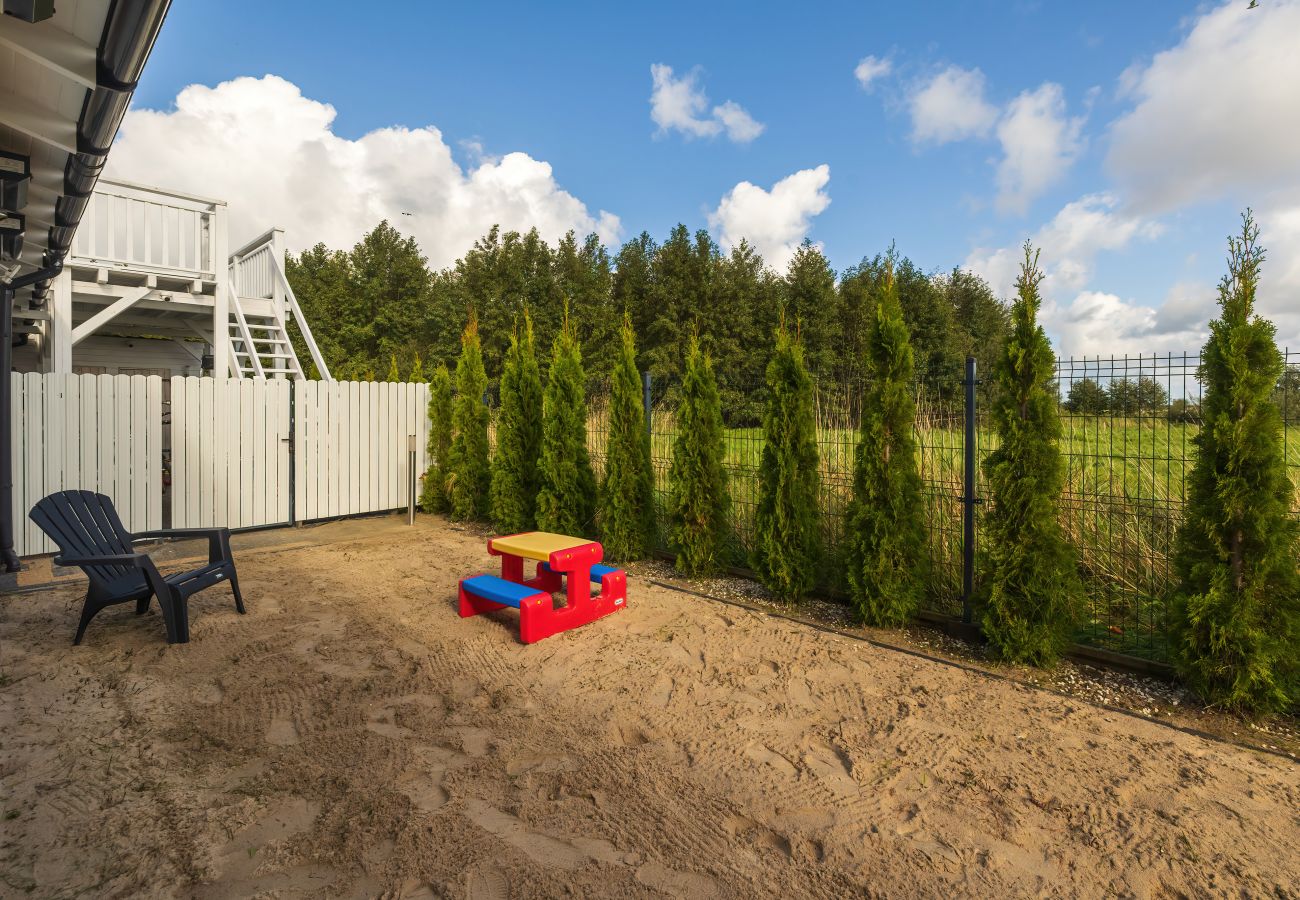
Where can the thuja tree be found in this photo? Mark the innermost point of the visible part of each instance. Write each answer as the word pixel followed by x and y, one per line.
pixel 566 497
pixel 697 482
pixel 469 478
pixel 433 495
pixel 1236 615
pixel 627 513
pixel 519 435
pixel 1031 594
pixel 416 375
pixel 787 539
pixel 884 527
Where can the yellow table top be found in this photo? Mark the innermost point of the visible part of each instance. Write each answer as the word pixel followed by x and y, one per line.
pixel 537 545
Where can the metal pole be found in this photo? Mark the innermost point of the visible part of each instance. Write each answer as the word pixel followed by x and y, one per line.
pixel 411 477
pixel 968 498
pixel 7 554
pixel 645 401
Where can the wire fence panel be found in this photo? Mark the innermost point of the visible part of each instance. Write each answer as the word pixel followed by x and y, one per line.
pixel 1128 430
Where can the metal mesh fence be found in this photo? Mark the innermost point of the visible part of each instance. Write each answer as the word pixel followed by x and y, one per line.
pixel 1128 428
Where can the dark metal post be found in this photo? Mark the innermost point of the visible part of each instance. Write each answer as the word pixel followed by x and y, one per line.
pixel 411 479
pixel 7 554
pixel 645 402
pixel 968 497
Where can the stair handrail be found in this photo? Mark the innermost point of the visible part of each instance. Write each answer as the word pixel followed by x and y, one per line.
pixel 291 301
pixel 244 334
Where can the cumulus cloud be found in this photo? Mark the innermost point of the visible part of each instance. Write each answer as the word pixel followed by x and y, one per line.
pixel 1039 144
pixel 871 68
pixel 271 153
pixel 1071 241
pixel 1083 320
pixel 1215 114
pixel 1096 323
pixel 950 106
pixel 775 222
pixel 680 104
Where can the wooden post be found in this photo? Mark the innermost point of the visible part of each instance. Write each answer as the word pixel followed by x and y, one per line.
pixel 60 325
pixel 220 237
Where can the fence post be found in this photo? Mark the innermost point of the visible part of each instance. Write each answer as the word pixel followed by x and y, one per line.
pixel 968 499
pixel 645 402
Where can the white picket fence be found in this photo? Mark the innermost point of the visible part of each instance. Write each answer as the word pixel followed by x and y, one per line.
pixel 86 432
pixel 230 452
pixel 350 446
pixel 230 448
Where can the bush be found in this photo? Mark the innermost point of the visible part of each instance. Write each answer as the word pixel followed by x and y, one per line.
pixel 566 500
pixel 433 494
pixel 787 542
pixel 884 526
pixel 1031 597
pixel 1235 620
pixel 519 436
pixel 1184 412
pixel 627 504
pixel 1086 398
pixel 697 482
pixel 469 479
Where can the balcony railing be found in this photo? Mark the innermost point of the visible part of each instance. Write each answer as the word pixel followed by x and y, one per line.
pixel 148 230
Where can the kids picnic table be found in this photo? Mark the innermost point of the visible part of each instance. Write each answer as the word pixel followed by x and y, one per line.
pixel 563 563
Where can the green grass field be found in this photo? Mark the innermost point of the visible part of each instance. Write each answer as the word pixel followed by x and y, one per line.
pixel 1121 507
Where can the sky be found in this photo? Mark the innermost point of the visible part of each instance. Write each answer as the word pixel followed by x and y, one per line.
pixel 1123 139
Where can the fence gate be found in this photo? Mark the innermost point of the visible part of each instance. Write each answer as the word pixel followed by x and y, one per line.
pixel 351 443
pixel 230 443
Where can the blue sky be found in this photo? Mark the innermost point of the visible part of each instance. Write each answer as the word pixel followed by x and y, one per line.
pixel 984 124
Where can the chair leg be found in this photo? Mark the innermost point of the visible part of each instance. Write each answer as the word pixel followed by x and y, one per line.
pixel 87 613
pixel 142 605
pixel 180 618
pixel 234 589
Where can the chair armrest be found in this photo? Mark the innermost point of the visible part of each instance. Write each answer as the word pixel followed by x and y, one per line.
pixel 136 560
pixel 218 539
pixel 177 533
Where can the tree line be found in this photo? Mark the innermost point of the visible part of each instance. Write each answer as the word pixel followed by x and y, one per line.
pixel 378 308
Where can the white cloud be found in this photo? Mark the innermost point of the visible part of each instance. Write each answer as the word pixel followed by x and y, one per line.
pixel 1070 242
pixel 1096 323
pixel 679 104
pixel 1215 115
pixel 1039 143
pixel 951 107
pixel 259 144
pixel 741 126
pixel 871 68
pixel 775 222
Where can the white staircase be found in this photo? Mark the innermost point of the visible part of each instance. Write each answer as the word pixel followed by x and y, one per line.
pixel 261 302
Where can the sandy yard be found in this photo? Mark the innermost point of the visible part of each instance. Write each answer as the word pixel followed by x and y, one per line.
pixel 352 737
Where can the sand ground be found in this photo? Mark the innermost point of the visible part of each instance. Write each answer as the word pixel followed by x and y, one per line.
pixel 352 737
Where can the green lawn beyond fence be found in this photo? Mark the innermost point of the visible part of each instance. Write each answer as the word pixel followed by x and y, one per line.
pixel 1121 507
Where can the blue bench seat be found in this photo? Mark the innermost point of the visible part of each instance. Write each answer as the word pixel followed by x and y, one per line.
pixel 498 590
pixel 598 570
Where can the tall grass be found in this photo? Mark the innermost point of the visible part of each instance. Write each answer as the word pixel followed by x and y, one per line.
pixel 1122 503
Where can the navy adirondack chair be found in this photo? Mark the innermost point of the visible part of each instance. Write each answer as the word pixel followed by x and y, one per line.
pixel 90 535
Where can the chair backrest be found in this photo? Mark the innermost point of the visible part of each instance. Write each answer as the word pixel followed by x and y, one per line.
pixel 85 524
